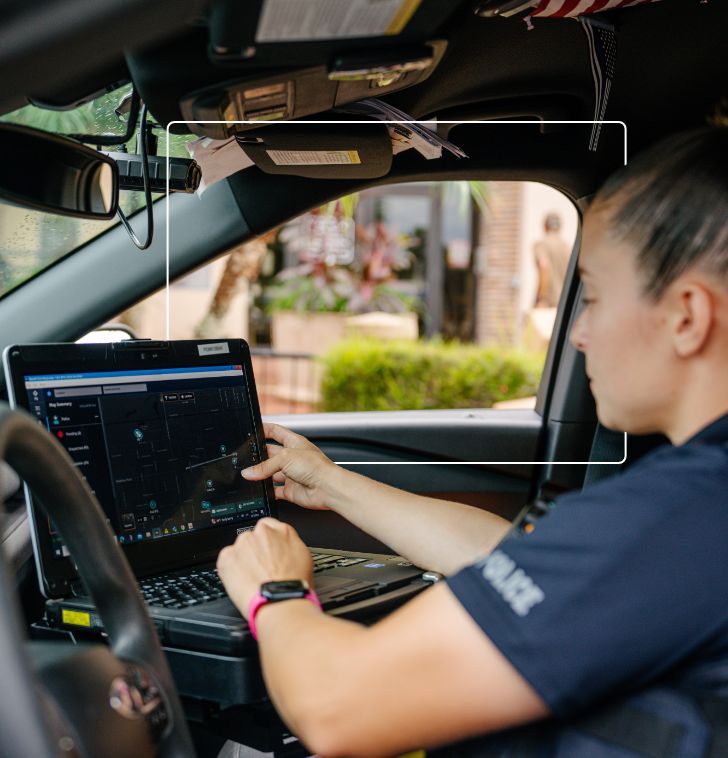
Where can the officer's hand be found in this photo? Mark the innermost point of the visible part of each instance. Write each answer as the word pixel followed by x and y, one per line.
pixel 270 552
pixel 300 471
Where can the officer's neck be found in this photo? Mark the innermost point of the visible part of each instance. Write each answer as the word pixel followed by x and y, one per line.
pixel 701 400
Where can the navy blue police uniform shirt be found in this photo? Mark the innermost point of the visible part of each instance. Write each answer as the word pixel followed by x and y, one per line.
pixel 618 586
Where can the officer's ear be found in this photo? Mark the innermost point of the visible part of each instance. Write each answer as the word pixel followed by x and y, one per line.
pixel 691 314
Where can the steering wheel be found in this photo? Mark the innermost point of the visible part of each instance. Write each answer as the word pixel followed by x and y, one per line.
pixel 114 701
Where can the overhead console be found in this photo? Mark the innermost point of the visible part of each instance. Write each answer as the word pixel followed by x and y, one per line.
pixel 268 60
pixel 304 92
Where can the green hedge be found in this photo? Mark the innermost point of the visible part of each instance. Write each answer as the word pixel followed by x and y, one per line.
pixel 370 375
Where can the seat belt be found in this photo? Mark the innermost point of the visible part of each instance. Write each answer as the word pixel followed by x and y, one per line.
pixel 606 446
pixel 716 712
pixel 638 731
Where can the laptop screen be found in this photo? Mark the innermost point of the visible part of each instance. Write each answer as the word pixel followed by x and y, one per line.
pixel 162 449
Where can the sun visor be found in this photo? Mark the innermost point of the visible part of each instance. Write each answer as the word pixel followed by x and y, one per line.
pixel 320 151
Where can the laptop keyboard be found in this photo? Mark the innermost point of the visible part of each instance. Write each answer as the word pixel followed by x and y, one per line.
pixel 184 589
pixel 181 590
pixel 323 561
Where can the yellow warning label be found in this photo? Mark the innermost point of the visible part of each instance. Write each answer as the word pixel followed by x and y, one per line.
pixel 77 618
pixel 313 157
pixel 402 16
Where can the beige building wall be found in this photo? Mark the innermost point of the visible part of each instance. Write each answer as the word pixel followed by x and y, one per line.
pixel 498 265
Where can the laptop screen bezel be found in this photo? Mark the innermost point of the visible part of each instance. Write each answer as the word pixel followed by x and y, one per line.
pixel 151 556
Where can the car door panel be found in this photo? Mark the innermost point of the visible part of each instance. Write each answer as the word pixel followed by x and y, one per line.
pixel 480 457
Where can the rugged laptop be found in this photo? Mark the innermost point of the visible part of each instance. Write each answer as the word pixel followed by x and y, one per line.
pixel 161 431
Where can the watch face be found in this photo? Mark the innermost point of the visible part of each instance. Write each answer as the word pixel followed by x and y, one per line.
pixel 284 590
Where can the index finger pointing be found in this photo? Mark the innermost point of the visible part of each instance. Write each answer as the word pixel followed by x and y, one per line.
pixel 264 469
pixel 283 435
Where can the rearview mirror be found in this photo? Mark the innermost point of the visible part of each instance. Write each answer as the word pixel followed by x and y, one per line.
pixel 47 172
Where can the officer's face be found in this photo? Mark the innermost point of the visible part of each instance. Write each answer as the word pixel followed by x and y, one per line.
pixel 622 334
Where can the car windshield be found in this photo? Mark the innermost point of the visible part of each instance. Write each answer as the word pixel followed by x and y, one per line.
pixel 31 241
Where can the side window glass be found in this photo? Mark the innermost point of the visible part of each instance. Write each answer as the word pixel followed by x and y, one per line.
pixel 411 296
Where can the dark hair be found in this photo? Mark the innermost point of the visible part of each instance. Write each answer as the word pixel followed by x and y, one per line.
pixel 671 202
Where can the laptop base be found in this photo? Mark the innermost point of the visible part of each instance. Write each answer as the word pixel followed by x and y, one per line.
pixel 217 627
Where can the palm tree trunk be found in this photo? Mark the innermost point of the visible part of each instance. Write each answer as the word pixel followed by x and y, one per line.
pixel 243 263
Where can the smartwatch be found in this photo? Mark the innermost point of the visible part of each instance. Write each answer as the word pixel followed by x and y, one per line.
pixel 274 592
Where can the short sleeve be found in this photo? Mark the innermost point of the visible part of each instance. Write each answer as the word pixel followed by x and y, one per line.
pixel 614 588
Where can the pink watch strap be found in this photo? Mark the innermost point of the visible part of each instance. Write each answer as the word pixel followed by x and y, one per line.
pixel 258 601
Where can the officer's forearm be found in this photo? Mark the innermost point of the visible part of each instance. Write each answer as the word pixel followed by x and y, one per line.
pixel 434 534
pixel 304 656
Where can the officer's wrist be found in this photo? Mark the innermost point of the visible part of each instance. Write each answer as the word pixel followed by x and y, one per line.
pixel 276 594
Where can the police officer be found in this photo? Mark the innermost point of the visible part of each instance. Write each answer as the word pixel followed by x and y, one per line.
pixel 620 586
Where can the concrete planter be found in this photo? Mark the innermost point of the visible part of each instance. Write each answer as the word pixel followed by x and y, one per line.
pixel 316 333
pixel 383 326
